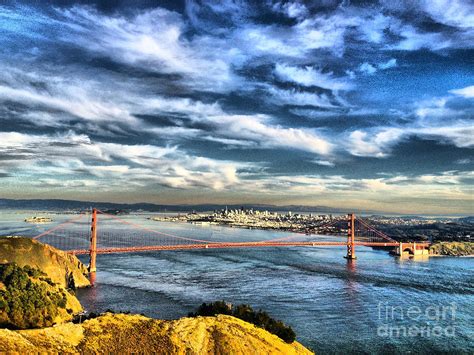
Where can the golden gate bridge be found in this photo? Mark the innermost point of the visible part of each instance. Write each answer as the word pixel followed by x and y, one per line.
pixel 80 236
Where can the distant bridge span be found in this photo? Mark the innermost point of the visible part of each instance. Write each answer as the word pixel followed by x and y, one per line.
pixel 230 245
pixel 138 238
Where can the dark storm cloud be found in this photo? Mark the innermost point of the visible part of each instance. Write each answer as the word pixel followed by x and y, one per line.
pixel 340 95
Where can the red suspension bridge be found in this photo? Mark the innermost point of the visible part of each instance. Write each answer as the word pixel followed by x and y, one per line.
pixel 79 235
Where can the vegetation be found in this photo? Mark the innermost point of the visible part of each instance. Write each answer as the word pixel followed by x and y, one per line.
pixel 435 232
pixel 27 298
pixel 127 334
pixel 63 269
pixel 452 248
pixel 246 313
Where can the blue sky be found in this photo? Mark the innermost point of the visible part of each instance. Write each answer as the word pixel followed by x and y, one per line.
pixel 363 104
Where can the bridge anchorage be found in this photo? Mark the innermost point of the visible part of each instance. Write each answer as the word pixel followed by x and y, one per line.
pixel 78 236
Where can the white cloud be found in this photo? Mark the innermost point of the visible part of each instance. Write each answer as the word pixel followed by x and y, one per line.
pixel 461 134
pixel 467 92
pixel 63 161
pixel 310 76
pixel 86 100
pixel 324 163
pixel 250 128
pixel 367 68
pixel 291 9
pixel 73 101
pixel 373 144
pixel 378 142
pixel 414 40
pixel 257 129
pixel 299 98
pixel 392 63
pixel 152 39
pixel 445 185
pixel 372 27
pixel 450 12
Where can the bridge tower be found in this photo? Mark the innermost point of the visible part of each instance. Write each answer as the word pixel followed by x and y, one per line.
pixel 93 243
pixel 351 237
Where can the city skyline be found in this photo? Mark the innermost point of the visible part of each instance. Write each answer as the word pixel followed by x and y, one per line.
pixel 364 105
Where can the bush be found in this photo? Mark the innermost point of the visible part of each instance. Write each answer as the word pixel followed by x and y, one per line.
pixel 246 313
pixel 25 303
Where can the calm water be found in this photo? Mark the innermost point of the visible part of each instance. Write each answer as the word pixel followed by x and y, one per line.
pixel 378 304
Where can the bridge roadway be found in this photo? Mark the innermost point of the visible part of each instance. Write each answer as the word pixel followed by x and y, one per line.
pixel 227 245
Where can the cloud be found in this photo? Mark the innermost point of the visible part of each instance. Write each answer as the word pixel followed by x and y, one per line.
pixel 372 27
pixel 456 13
pixel 373 144
pixel 152 39
pixel 291 9
pixel 467 92
pixel 461 134
pixel 413 39
pixel 324 163
pixel 76 161
pixel 378 142
pixel 294 97
pixel 84 99
pixel 258 128
pixel 310 76
pixel 392 63
pixel 445 184
pixel 369 69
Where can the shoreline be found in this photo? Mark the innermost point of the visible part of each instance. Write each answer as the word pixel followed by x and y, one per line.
pixel 212 223
pixel 453 256
pixel 236 226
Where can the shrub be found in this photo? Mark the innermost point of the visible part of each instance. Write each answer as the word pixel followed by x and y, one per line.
pixel 246 313
pixel 25 303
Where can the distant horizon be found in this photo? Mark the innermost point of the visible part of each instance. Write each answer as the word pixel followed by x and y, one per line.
pixel 271 207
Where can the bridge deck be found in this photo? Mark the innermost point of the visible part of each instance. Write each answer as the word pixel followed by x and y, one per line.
pixel 232 245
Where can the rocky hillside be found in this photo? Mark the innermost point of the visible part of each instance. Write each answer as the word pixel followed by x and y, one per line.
pixel 452 248
pixel 30 299
pixel 119 333
pixel 60 267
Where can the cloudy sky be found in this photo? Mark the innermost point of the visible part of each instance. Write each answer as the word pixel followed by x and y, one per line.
pixel 363 104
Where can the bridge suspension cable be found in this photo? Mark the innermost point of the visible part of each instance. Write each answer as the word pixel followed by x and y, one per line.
pixel 377 232
pixel 59 226
pixel 154 231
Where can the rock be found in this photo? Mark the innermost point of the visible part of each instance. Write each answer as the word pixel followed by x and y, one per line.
pixel 58 265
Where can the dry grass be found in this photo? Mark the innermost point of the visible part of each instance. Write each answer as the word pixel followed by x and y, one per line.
pixel 120 333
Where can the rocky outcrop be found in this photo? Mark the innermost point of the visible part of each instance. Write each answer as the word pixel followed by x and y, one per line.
pixel 64 269
pixel 452 248
pixel 120 333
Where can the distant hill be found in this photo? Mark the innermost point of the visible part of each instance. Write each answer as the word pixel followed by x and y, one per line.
pixel 466 220
pixel 53 204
